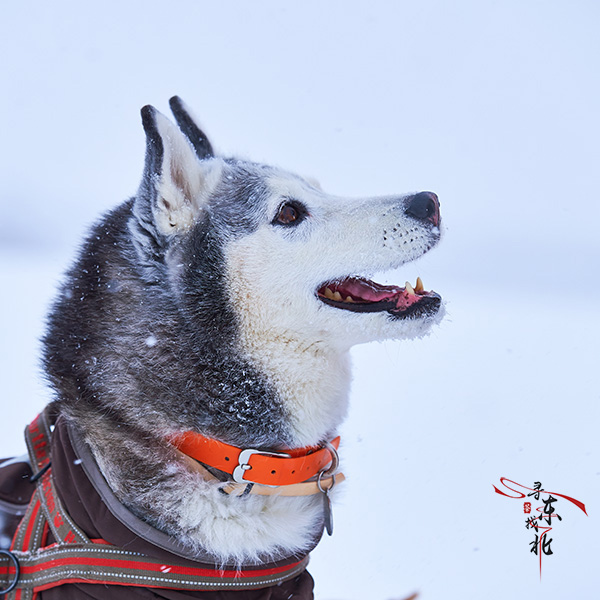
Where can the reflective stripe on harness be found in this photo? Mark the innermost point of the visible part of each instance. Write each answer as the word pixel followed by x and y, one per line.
pixel 32 566
pixel 98 563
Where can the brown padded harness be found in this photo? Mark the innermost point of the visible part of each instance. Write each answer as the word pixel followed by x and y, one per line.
pixel 32 565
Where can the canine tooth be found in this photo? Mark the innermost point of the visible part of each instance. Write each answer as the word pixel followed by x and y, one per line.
pixel 349 299
pixel 328 293
pixel 409 288
pixel 419 285
pixel 337 296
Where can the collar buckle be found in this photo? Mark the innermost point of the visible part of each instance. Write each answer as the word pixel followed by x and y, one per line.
pixel 244 465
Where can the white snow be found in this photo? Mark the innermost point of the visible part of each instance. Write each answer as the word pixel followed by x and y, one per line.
pixel 493 106
pixel 151 341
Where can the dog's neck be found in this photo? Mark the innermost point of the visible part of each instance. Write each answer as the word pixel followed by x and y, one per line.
pixel 312 381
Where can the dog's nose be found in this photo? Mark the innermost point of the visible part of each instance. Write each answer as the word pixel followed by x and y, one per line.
pixel 424 206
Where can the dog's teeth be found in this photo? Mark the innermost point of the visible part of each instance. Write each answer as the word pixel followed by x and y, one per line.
pixel 409 288
pixel 419 285
pixel 349 299
pixel 328 293
pixel 337 296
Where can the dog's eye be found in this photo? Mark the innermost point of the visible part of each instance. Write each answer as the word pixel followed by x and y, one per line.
pixel 287 214
pixel 290 213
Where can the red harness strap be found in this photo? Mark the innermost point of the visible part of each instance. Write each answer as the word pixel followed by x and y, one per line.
pixel 32 566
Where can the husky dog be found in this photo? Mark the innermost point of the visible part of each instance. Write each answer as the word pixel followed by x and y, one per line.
pixel 223 299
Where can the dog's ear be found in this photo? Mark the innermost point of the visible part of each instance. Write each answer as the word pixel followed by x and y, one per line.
pixel 175 185
pixel 190 128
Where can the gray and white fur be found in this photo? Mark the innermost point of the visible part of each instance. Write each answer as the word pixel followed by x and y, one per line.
pixel 193 307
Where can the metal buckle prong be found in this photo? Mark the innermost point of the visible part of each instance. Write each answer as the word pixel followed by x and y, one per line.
pixel 244 465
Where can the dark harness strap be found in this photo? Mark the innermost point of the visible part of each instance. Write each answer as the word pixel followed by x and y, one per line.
pixel 32 566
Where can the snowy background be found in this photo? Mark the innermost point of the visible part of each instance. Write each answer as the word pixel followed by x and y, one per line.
pixel 494 106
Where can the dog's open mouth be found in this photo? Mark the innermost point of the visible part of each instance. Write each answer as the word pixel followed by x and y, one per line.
pixel 363 295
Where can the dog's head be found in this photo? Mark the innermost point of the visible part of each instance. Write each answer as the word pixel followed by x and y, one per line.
pixel 296 262
pixel 224 297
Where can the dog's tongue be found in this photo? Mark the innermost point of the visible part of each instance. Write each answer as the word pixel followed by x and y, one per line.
pixel 366 290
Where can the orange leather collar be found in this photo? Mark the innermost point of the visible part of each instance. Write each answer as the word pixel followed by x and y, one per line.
pixel 257 466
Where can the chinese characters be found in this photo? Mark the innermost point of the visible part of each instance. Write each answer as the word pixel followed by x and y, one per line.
pixel 542 514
